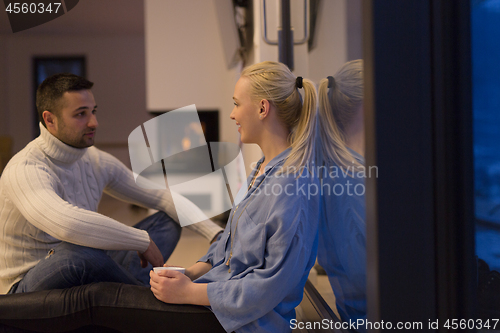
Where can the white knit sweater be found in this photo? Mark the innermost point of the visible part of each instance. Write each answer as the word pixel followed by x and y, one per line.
pixel 49 193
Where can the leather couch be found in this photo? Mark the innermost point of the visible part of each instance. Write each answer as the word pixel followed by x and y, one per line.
pixel 101 307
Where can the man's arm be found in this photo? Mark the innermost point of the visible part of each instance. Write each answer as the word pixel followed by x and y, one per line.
pixel 32 189
pixel 122 185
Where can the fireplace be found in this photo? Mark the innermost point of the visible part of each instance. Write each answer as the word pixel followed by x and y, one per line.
pixel 191 160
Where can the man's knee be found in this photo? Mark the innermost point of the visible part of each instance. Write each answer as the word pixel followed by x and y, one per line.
pixel 66 265
pixel 163 219
pixel 80 256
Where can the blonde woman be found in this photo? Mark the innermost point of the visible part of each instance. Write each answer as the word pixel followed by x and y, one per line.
pixel 253 277
pixel 342 235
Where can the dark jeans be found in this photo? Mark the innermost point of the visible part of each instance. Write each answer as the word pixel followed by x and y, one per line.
pixel 69 265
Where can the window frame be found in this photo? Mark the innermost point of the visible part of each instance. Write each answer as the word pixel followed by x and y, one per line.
pixel 418 120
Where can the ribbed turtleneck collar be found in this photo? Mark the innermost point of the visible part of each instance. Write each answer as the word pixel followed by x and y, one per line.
pixel 57 149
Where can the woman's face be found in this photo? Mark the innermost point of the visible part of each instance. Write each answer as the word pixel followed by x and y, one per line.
pixel 246 112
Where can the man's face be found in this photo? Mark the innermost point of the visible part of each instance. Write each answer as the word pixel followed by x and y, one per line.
pixel 76 122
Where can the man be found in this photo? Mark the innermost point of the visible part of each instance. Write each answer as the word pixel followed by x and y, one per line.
pixel 51 235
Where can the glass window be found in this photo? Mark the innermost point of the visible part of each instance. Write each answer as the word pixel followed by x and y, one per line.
pixel 485 25
pixel 47 66
pixel 486 115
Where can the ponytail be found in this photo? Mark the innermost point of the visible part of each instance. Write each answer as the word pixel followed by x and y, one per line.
pixel 339 97
pixel 275 82
pixel 302 137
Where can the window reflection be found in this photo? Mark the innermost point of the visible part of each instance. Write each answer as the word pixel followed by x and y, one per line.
pixel 485 24
pixel 342 230
pixel 486 113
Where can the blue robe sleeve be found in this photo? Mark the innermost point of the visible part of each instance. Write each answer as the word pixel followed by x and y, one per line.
pixel 287 258
pixel 210 253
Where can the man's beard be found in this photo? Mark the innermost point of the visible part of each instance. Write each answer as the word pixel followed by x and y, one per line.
pixel 73 139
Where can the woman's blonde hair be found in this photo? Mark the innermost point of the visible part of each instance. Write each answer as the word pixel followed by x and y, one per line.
pixel 338 105
pixel 275 82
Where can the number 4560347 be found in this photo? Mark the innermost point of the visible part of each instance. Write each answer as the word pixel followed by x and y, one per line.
pixel 32 8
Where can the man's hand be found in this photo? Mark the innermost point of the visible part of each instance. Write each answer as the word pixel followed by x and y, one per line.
pixel 151 255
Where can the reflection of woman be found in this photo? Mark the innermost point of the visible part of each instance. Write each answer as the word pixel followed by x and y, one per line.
pixel 342 236
pixel 253 277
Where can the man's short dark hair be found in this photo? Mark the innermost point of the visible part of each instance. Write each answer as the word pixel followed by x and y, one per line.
pixel 49 93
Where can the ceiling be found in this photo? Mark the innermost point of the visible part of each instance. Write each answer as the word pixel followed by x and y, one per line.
pixel 90 17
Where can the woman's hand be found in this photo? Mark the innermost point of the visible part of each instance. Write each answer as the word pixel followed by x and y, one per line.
pixel 176 288
pixel 167 265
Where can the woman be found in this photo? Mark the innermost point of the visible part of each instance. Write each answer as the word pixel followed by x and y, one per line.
pixel 253 277
pixel 342 230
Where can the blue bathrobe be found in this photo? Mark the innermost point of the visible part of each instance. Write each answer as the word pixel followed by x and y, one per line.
pixel 342 236
pixel 274 247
